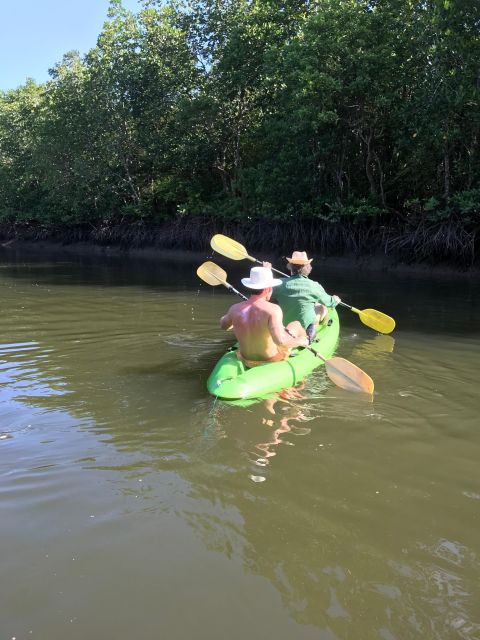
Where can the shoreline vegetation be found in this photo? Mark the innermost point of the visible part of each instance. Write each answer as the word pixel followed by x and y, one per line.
pixel 445 249
pixel 341 128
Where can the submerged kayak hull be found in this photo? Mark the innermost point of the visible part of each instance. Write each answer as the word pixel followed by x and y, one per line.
pixel 231 380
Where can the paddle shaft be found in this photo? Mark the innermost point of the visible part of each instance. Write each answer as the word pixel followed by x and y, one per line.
pixel 233 290
pixel 319 355
pixel 273 268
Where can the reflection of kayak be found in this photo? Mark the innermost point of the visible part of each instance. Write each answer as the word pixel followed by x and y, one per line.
pixel 231 380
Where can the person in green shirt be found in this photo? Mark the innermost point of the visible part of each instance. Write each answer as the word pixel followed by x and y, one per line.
pixel 303 299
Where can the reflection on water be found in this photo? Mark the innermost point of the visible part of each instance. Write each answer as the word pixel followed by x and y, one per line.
pixel 374 347
pixel 129 496
pixel 284 413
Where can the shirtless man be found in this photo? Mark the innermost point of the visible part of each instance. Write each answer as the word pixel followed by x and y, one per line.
pixel 258 324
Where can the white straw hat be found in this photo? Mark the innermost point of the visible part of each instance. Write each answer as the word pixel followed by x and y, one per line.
pixel 261 278
pixel 299 257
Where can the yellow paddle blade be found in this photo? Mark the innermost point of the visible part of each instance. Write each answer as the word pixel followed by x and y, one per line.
pixel 376 320
pixel 212 274
pixel 345 374
pixel 229 248
pixel 348 376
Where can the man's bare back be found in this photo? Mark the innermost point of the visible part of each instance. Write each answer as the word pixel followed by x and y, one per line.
pixel 258 327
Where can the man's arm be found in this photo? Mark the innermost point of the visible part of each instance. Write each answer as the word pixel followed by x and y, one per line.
pixel 324 298
pixel 226 322
pixel 278 333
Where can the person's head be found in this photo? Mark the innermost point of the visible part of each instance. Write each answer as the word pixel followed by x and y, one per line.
pixel 261 282
pixel 299 263
pixel 299 269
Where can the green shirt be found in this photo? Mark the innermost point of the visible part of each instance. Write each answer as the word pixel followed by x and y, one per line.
pixel 297 296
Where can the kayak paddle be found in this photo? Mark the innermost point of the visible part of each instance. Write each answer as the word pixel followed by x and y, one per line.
pixel 345 374
pixel 342 372
pixel 212 274
pixel 373 318
pixel 235 251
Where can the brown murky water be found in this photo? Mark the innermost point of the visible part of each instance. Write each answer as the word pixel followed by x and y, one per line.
pixel 134 506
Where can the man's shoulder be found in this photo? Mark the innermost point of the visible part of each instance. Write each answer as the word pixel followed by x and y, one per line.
pixel 271 307
pixel 283 284
pixel 237 306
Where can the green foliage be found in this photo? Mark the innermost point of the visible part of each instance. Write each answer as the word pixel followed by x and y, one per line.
pixel 467 204
pixel 355 211
pixel 245 109
pixel 464 205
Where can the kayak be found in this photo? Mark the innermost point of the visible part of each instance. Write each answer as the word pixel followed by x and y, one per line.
pixel 232 380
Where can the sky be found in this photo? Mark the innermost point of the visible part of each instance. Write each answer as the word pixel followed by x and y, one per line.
pixel 34 34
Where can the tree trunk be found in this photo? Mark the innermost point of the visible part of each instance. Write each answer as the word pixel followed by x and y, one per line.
pixel 367 140
pixel 446 175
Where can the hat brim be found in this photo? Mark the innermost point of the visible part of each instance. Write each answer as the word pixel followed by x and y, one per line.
pixel 302 262
pixel 273 283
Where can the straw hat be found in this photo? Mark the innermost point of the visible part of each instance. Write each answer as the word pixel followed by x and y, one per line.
pixel 261 278
pixel 299 257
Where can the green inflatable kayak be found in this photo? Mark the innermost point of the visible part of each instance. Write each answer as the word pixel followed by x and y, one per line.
pixel 231 380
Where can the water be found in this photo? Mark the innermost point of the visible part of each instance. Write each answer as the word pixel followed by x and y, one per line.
pixel 134 505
